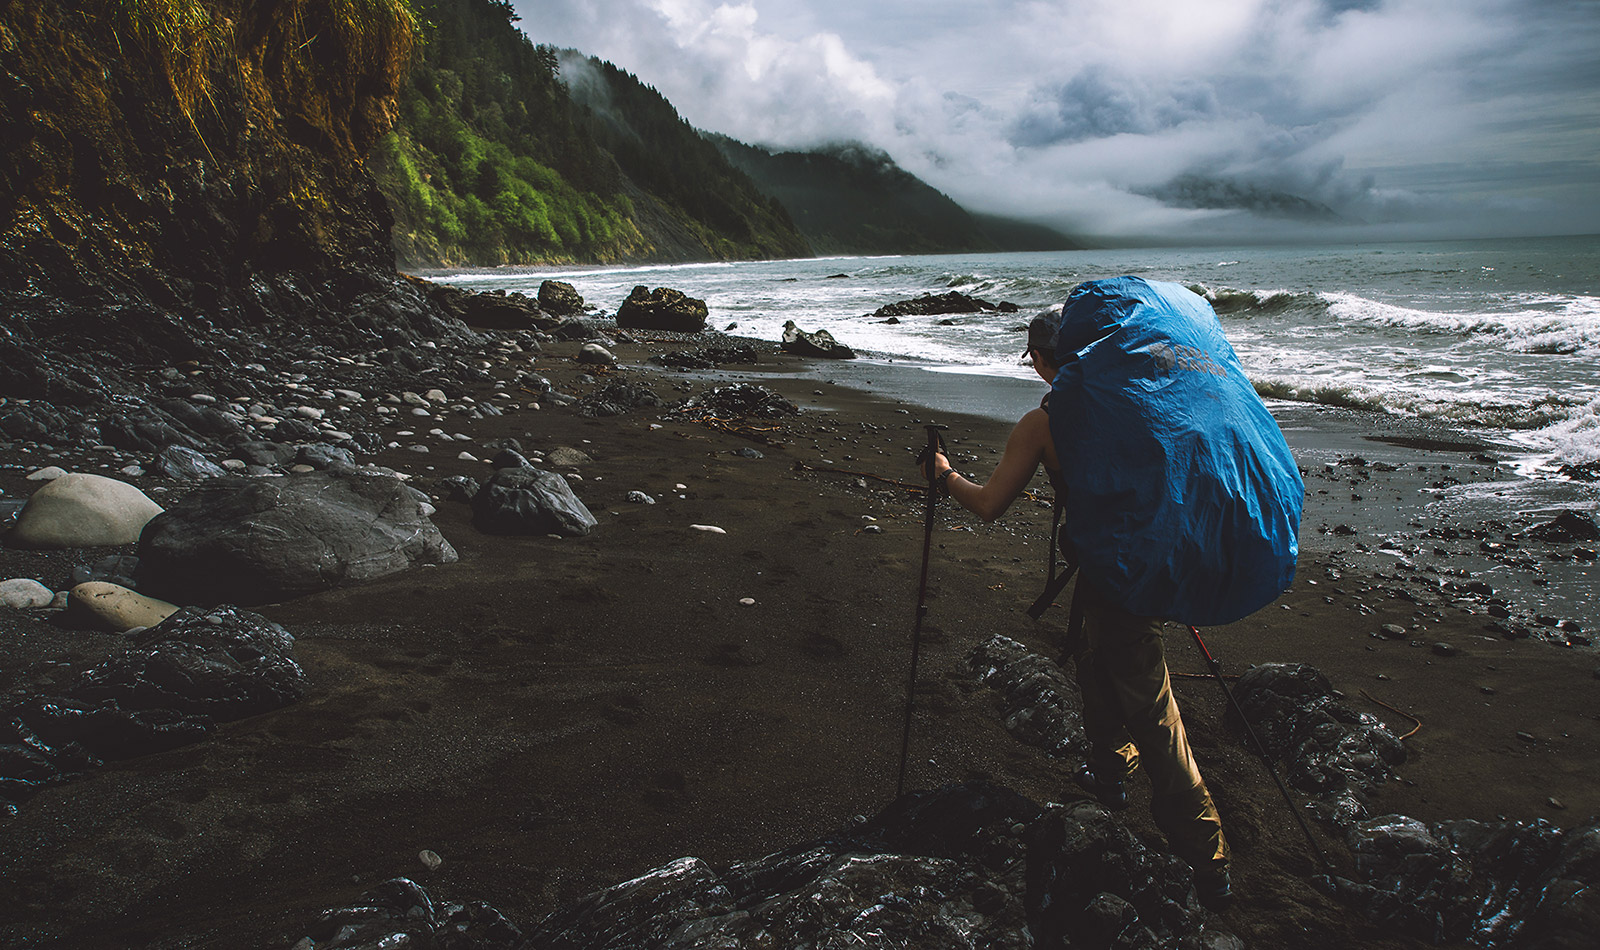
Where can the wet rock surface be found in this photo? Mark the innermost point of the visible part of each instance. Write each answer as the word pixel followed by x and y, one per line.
pixel 935 304
pixel 530 501
pixel 819 343
pixel 255 541
pixel 1042 704
pixel 662 309
pixel 964 866
pixel 168 688
pixel 1340 756
pixel 1488 884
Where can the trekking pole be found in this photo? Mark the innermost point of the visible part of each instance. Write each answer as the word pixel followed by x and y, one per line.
pixel 1261 749
pixel 935 444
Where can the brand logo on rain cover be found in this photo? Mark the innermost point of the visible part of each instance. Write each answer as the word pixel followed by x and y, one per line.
pixel 1169 358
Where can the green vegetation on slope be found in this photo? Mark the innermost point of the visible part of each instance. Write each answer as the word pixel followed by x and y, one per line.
pixel 492 162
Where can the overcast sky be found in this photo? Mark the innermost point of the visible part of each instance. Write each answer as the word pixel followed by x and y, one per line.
pixel 1406 118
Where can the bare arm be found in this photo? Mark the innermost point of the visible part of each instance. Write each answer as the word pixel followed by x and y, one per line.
pixel 1028 446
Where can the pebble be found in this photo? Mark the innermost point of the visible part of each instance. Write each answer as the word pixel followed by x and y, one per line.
pixel 1526 737
pixel 435 395
pixel 309 412
pixel 748 601
pixel 872 529
pixel 47 474
pixel 419 411
pixel 467 457
pixel 1394 631
pixel 1444 649
pixel 430 860
pixel 708 528
pixel 640 498
pixel 1556 803
pixel 25 593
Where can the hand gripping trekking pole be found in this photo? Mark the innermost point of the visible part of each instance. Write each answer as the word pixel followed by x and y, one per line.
pixel 935 444
pixel 1261 750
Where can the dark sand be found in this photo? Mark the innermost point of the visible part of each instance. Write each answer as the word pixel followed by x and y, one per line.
pixel 553 716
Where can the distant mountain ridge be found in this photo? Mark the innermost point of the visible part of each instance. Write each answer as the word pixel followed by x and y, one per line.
pixel 850 198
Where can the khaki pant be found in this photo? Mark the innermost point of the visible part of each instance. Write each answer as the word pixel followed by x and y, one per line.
pixel 1131 718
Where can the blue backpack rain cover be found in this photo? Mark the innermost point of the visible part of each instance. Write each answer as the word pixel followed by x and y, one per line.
pixel 1183 501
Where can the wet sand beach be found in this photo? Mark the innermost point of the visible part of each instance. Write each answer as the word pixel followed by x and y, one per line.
pixel 553 716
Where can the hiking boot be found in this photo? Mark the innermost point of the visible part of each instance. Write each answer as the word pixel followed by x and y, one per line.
pixel 1214 887
pixel 1112 793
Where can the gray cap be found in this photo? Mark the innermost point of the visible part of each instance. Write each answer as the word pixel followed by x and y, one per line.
pixel 1042 331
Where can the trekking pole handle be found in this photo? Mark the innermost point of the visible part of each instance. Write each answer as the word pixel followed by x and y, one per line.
pixel 935 446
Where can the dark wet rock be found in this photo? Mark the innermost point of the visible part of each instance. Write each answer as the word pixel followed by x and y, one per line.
pixel 574 330
pixel 296 430
pixel 749 452
pixel 486 311
pixel 1566 528
pixel 400 913
pixel 144 434
pixel 510 458
pixel 321 456
pixel 819 344
pixel 184 464
pixel 1337 754
pixel 1092 883
pixel 265 454
pixel 222 663
pixel 461 488
pixel 560 298
pixel 931 304
pixel 737 401
pixel 1488 884
pixel 708 357
pixel 530 501
pixel 1042 705
pixel 113 569
pixel 262 540
pixel 617 397
pixel 662 309
pixel 175 681
pixel 964 866
pixel 203 421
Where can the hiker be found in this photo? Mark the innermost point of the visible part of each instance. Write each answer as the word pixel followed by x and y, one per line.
pixel 1129 711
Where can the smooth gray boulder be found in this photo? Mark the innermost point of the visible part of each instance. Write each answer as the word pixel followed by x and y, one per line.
pixel 263 540
pixel 79 510
pixel 530 501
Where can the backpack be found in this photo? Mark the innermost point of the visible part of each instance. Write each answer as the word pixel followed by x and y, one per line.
pixel 1182 500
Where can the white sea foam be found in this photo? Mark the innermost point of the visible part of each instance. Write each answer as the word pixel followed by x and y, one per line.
pixel 1548 324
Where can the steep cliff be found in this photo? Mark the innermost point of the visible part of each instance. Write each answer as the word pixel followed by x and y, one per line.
pixel 183 180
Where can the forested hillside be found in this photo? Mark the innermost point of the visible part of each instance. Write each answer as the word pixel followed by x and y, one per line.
pixel 492 161
pixel 851 199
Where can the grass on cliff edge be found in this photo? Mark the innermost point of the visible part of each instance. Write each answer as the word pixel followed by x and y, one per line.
pixel 186 39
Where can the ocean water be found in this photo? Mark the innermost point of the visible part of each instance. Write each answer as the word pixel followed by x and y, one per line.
pixel 1499 338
